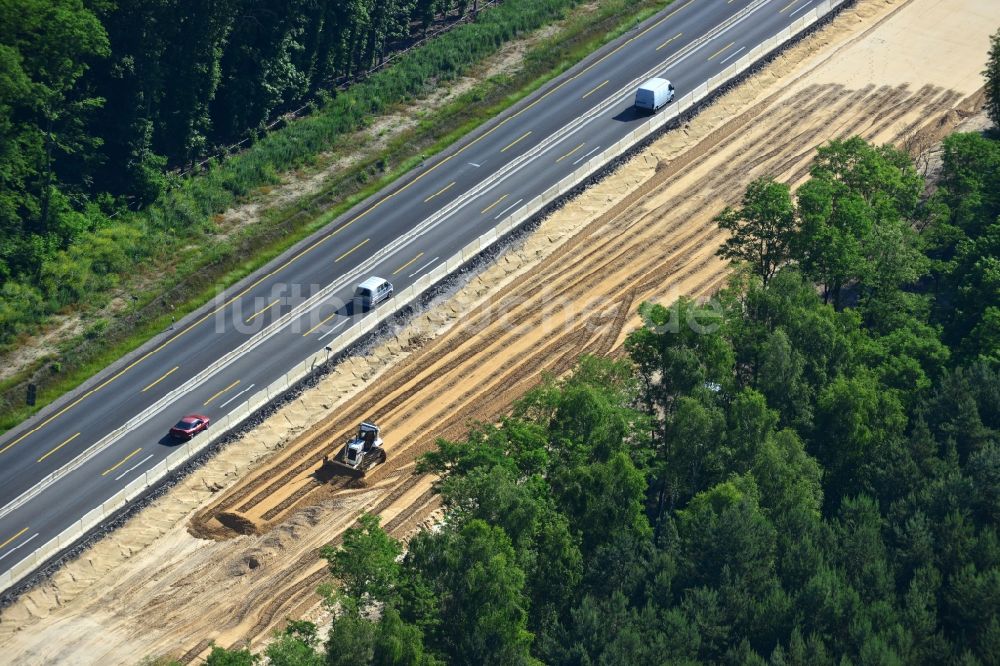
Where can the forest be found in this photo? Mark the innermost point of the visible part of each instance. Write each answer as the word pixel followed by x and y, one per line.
pixel 104 103
pixel 804 470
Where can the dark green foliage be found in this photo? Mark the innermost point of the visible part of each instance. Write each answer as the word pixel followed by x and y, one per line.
pixel 233 657
pixel 965 245
pixel 762 229
pixel 768 478
pixel 366 563
pixel 45 48
pixel 295 646
pixel 398 643
pixel 992 76
pixel 854 214
pixel 351 640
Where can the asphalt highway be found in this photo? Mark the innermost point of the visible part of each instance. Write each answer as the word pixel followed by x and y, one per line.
pixel 400 234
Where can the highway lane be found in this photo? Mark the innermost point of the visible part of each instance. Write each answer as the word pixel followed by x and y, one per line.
pixel 450 201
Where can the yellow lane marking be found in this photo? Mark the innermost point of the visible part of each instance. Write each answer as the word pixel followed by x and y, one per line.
pixel 722 50
pixel 2 545
pixel 487 209
pixel 164 376
pixel 321 323
pixel 408 263
pixel 59 447
pixel 353 249
pixel 595 89
pixel 441 191
pixel 788 6
pixel 260 312
pixel 221 392
pixel 336 231
pixel 120 462
pixel 677 36
pixel 514 142
pixel 569 153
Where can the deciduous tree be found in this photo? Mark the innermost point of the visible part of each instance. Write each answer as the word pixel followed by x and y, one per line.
pixel 761 229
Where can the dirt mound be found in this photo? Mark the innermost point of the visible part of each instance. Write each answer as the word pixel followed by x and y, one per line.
pixel 238 523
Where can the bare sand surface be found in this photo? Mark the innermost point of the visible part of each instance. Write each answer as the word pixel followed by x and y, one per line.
pixel 231 552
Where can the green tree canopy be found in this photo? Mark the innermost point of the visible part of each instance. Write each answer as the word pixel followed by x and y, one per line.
pixel 366 563
pixel 761 230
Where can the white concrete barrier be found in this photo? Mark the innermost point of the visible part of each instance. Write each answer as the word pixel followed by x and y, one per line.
pixel 91 518
pixel 135 488
pixel 24 567
pixel 70 534
pixel 112 505
pixel 176 459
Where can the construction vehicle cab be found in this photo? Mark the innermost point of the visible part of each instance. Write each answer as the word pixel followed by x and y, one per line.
pixel 363 444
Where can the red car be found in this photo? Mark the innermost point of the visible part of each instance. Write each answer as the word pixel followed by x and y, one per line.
pixel 189 426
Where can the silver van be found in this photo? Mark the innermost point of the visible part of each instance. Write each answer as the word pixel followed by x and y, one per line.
pixel 371 292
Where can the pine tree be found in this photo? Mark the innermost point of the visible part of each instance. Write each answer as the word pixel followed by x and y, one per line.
pixel 992 75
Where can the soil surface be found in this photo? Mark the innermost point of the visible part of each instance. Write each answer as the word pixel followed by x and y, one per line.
pixel 231 552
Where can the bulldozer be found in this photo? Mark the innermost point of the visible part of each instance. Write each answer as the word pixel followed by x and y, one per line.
pixel 360 453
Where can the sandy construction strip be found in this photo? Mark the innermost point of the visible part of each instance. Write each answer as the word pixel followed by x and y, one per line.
pixel 230 552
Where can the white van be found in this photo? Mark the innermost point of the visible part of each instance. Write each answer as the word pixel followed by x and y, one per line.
pixel 371 292
pixel 653 95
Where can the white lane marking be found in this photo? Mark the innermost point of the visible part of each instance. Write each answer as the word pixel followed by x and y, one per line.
pixel 423 267
pixel 119 477
pixel 586 156
pixel 330 332
pixel 236 396
pixel 507 209
pixel 732 55
pixel 475 165
pixel 805 6
pixel 19 545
